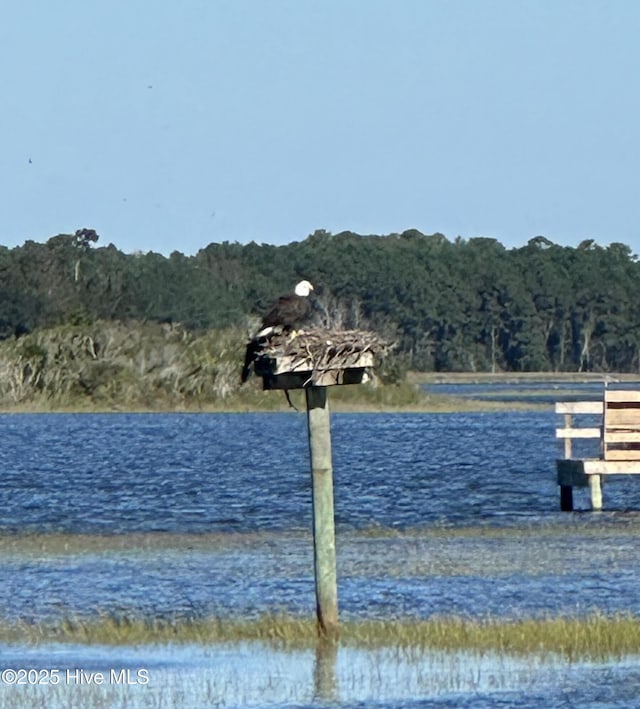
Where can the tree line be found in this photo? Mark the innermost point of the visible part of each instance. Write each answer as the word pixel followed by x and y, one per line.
pixel 451 305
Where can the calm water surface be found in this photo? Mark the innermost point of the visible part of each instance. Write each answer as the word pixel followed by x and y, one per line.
pixel 436 514
pixel 544 391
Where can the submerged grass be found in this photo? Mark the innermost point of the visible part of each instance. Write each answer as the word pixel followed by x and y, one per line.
pixel 623 527
pixel 593 637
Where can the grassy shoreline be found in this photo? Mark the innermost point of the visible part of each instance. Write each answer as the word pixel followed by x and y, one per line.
pixel 431 404
pixel 406 397
pixel 158 367
pixel 595 636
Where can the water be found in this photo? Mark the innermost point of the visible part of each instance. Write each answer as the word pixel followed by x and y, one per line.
pixel 543 391
pixel 123 473
pixel 209 514
pixel 254 676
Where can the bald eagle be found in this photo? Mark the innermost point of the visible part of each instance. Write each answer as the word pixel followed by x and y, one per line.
pixel 290 312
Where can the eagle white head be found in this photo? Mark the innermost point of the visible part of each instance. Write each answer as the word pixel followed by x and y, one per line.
pixel 303 288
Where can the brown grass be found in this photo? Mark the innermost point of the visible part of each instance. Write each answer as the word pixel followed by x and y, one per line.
pixel 595 636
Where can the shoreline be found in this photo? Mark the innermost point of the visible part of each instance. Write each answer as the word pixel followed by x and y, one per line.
pixel 450 406
pixel 517 377
pixel 408 397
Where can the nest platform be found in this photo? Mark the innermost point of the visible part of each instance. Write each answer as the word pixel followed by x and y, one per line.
pixel 318 357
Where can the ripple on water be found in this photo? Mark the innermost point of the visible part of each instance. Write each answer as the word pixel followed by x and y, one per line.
pixel 437 514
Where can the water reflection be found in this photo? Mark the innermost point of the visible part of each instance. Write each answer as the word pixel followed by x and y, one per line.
pixel 255 675
pixel 325 681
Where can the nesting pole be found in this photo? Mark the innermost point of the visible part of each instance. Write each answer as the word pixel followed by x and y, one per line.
pixel 324 541
pixel 314 360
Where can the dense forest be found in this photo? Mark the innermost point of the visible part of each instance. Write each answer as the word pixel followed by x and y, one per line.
pixel 462 305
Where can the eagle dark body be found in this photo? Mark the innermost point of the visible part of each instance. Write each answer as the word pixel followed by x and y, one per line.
pixel 290 312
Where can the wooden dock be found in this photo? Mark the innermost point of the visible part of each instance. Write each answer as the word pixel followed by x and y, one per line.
pixel 618 431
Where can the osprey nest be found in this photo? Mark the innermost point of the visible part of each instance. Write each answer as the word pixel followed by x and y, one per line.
pixel 320 350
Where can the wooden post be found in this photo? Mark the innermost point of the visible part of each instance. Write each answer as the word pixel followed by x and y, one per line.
pixel 566 491
pixel 324 544
pixel 566 498
pixel 568 422
pixel 595 488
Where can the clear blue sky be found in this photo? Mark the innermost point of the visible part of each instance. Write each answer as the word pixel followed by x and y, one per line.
pixel 166 125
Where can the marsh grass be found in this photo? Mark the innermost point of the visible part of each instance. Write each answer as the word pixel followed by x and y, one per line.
pixel 46 544
pixel 367 398
pixel 146 366
pixel 143 367
pixel 409 397
pixel 593 637
pixel 255 674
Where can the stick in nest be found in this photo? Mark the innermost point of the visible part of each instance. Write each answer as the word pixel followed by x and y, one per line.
pixel 321 349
